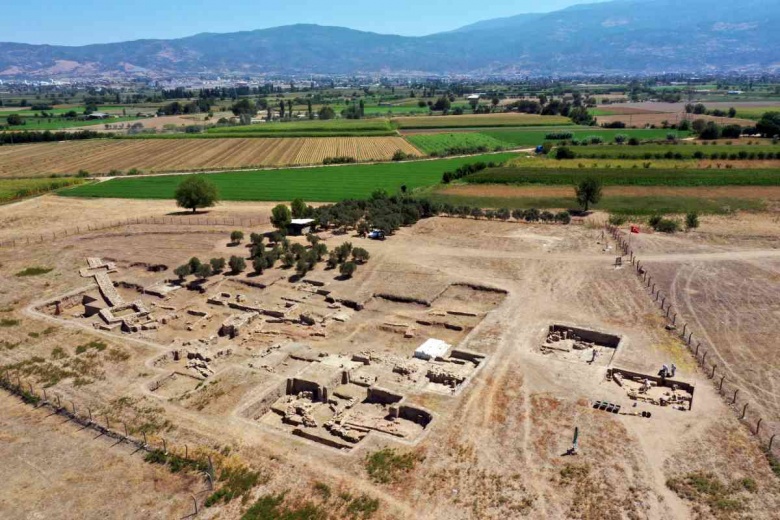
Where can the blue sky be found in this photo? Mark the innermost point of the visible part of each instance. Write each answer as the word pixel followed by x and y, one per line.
pixel 79 22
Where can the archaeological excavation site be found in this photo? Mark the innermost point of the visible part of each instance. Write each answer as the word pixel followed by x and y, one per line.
pixel 460 369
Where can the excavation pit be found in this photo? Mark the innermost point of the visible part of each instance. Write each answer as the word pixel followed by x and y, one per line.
pixel 579 345
pixel 658 391
pixel 342 417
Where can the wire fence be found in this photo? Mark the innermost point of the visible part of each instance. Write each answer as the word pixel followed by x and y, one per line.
pixel 734 396
pixel 38 238
pixel 118 431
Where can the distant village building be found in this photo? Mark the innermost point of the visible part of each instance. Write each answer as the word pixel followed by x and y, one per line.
pixel 98 115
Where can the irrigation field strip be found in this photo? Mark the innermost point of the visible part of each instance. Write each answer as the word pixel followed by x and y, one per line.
pixel 729 391
pixel 26 392
pixel 39 238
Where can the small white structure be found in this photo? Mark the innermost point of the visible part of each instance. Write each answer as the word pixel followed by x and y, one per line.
pixel 432 349
pixel 300 226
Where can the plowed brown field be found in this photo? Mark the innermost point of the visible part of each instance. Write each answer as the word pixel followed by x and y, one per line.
pixel 162 155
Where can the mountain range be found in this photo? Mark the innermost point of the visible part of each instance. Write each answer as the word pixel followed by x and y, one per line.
pixel 622 36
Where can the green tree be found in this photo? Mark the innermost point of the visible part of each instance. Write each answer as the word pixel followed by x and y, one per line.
pixel 204 271
pixel 320 250
pixel 360 255
pixel 299 208
pixel 588 192
pixel 347 269
pixel 236 236
pixel 333 260
pixel 259 264
pixel 244 106
pixel 288 260
pixel 182 271
pixel 195 191
pixel 15 120
pixel 769 124
pixel 302 267
pixel 326 112
pixel 217 264
pixel 710 131
pixel 194 264
pixel 692 220
pixel 281 217
pixel 237 264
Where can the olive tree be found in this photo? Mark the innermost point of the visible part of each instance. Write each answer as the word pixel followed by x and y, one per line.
pixel 588 192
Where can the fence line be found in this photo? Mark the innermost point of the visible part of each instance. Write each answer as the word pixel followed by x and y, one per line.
pixel 26 392
pixel 39 238
pixel 727 389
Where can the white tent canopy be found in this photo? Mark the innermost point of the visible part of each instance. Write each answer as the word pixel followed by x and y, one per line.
pixel 432 349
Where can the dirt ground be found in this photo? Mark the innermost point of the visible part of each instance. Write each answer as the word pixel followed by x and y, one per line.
pixel 496 448
pixel 725 286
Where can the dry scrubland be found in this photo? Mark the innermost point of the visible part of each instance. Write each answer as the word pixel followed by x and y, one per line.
pixel 493 450
pixel 189 154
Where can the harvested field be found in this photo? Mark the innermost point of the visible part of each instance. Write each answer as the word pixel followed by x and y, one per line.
pixel 711 105
pixel 151 155
pixel 480 121
pixel 620 110
pixel 640 120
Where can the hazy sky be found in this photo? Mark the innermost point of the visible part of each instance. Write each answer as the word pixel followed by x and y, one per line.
pixel 79 22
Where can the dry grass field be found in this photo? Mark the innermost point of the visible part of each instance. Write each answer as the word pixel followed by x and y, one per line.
pixel 725 284
pixel 494 448
pixel 165 155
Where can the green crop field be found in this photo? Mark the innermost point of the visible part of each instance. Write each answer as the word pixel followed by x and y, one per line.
pixel 12 189
pixel 323 184
pixel 755 113
pixel 376 110
pixel 687 151
pixel 329 128
pixel 481 120
pixel 534 137
pixel 627 177
pixel 440 143
pixel 59 110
